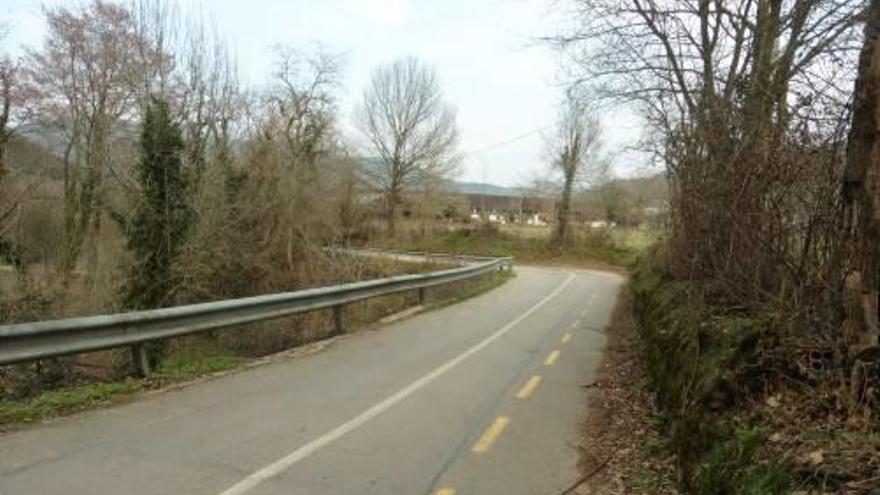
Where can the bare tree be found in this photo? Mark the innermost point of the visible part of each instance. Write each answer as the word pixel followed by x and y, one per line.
pixel 208 96
pixel 574 150
pixel 187 63
pixel 295 122
pixel 740 94
pixel 8 70
pixel 13 113
pixel 85 76
pixel 679 58
pixel 411 129
pixel 305 101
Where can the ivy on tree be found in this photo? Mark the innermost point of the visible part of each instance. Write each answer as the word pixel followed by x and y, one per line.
pixel 163 215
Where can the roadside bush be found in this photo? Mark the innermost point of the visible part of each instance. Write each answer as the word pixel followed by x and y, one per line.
pixel 727 383
pixel 698 365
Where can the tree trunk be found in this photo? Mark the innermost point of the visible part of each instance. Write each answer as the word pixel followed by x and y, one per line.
pixel 392 198
pixel 564 208
pixel 861 190
pixel 4 140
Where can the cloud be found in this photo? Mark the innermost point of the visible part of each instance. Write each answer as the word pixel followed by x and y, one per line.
pixel 386 12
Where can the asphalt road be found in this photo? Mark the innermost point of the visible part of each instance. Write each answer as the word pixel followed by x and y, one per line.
pixel 482 397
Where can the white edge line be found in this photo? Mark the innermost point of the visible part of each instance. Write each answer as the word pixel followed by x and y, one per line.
pixel 282 464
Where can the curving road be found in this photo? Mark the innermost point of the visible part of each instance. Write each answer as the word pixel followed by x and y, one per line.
pixel 482 397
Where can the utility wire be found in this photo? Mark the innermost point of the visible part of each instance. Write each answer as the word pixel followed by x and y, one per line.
pixel 505 142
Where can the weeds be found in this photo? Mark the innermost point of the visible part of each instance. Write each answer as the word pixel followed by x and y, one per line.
pixel 63 401
pixel 730 468
pixel 186 365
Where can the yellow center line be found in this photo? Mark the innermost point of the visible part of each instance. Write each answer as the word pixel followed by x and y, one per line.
pixel 529 387
pixel 551 358
pixel 566 337
pixel 491 435
pixel 446 491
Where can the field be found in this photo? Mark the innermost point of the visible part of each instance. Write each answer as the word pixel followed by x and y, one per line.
pixel 613 247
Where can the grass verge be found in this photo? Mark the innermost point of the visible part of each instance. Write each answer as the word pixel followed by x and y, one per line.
pixel 469 290
pixel 64 401
pixel 187 365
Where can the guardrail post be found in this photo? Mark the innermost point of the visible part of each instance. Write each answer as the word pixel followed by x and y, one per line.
pixel 339 319
pixel 423 292
pixel 140 360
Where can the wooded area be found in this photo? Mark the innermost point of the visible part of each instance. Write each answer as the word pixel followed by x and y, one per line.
pixel 131 117
pixel 138 172
pixel 764 115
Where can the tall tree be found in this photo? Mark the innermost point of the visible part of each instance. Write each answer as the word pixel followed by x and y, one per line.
pixel 85 78
pixel 411 129
pixel 303 110
pixel 737 93
pixel 861 187
pixel 574 149
pixel 8 72
pixel 163 215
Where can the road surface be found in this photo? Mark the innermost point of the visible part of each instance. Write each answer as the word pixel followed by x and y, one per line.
pixel 481 397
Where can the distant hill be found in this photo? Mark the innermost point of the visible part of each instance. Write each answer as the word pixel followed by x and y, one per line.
pixel 483 188
pixel 651 191
pixel 28 156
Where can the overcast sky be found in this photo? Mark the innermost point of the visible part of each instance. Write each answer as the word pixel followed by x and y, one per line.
pixel 503 84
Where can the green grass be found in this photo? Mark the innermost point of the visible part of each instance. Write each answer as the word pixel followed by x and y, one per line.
pixel 638 241
pixel 618 246
pixel 484 284
pixel 63 401
pixel 729 467
pixel 186 365
pixel 528 232
pixel 67 400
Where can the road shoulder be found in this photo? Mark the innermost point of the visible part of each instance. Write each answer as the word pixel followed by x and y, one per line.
pixel 621 449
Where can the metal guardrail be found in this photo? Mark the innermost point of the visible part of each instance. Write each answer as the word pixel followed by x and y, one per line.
pixel 25 342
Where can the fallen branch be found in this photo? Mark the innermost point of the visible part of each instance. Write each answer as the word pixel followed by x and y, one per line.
pixel 586 477
pixel 864 484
